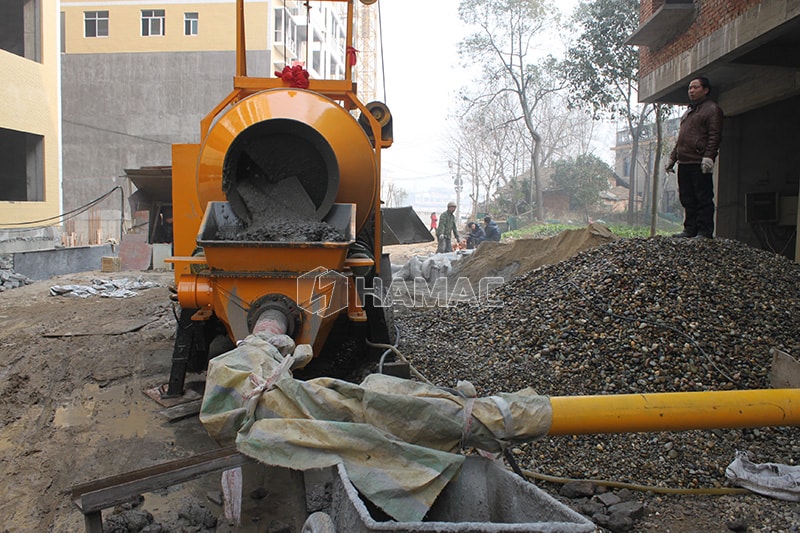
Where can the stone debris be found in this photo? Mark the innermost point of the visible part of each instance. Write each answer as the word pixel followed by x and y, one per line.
pixel 133 518
pixel 106 288
pixel 631 316
pixel 617 511
pixel 11 280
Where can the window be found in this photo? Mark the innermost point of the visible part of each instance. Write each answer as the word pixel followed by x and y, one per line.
pixel 20 28
pixel 95 23
pixel 21 166
pixel 278 26
pixel 316 61
pixel 190 23
pixel 285 33
pixel 152 22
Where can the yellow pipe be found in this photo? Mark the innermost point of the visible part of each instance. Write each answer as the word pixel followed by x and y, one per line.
pixel 676 411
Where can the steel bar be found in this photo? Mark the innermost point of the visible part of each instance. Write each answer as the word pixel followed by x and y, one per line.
pixel 91 498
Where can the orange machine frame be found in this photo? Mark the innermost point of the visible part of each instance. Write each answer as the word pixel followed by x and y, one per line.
pixel 325 105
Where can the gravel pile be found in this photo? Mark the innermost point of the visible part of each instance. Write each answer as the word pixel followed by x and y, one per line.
pixel 631 316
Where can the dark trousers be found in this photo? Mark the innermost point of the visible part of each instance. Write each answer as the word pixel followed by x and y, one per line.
pixel 696 193
pixel 444 245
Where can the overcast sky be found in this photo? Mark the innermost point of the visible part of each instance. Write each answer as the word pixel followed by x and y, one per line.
pixel 423 75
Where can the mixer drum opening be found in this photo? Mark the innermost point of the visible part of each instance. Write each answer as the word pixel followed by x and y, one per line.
pixel 280 162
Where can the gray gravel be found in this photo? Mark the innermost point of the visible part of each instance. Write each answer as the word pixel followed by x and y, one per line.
pixel 632 316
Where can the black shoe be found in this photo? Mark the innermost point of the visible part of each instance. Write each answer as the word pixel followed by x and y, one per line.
pixel 703 236
pixel 683 235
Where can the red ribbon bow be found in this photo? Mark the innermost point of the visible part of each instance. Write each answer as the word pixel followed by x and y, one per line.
pixel 295 76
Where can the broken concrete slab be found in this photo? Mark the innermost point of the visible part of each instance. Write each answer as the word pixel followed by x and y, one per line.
pixel 785 371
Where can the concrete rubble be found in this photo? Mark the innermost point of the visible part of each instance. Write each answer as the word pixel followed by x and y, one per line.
pixel 11 280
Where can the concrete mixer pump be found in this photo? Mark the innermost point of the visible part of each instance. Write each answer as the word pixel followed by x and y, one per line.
pixel 277 214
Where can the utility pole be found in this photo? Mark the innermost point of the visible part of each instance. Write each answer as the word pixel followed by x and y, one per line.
pixel 458 185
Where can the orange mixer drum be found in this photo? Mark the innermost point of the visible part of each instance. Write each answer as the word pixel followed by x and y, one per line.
pixel 289 133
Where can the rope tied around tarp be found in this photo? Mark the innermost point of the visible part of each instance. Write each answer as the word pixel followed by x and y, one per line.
pixel 467 390
pixel 293 357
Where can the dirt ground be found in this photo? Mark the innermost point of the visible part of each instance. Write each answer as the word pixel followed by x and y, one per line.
pixel 514 258
pixel 73 409
pixel 73 376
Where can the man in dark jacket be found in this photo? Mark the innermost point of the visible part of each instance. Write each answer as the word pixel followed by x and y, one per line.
pixel 490 229
pixel 698 143
pixel 475 237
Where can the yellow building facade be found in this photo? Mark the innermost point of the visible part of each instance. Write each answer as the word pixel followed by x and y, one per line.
pixel 30 146
pixel 135 26
pixel 124 26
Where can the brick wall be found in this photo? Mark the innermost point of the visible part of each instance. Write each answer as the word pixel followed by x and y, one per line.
pixel 712 15
pixel 647 8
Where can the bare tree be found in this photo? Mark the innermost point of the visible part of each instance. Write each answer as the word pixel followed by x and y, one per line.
pixel 504 43
pixel 395 195
pixel 489 148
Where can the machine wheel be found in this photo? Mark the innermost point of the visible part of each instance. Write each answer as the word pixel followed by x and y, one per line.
pixel 319 522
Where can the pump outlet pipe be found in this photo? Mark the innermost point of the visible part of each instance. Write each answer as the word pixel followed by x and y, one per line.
pixel 674 411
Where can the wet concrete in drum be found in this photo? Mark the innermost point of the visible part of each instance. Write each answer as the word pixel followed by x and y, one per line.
pixel 281 212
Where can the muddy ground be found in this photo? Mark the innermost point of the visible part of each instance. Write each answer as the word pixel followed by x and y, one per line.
pixel 73 410
pixel 73 376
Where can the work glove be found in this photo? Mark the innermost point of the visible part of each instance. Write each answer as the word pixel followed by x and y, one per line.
pixel 670 166
pixel 707 165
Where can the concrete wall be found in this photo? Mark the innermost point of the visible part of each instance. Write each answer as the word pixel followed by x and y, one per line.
pixel 125 111
pixel 759 154
pixel 27 239
pixel 44 264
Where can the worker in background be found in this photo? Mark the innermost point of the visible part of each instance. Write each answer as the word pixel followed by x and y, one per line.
pixel 433 222
pixel 491 231
pixel 163 227
pixel 447 225
pixel 698 142
pixel 475 237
